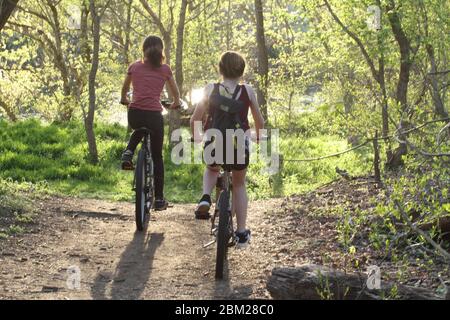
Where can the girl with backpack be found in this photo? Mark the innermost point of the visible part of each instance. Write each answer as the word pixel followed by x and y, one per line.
pixel 232 66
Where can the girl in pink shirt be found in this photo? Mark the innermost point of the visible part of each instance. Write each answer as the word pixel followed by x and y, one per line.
pixel 148 77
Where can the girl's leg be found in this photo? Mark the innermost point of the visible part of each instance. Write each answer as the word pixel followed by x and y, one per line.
pixel 240 199
pixel 135 138
pixel 136 119
pixel 210 179
pixel 157 141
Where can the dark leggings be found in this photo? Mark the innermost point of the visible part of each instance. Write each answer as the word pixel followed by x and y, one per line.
pixel 152 120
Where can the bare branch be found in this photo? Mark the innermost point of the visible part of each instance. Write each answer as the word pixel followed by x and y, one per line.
pixel 358 41
pixel 154 16
pixel 422 233
pixel 36 14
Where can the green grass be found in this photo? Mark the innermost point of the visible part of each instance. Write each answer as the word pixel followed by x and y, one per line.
pixel 57 154
pixel 305 176
pixel 16 208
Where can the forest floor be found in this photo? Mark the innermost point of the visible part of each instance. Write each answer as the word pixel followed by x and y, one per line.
pixel 168 260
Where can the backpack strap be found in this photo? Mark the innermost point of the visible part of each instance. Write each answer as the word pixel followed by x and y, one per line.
pixel 216 89
pixel 236 92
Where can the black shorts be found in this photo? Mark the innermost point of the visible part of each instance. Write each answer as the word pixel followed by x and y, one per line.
pixel 235 165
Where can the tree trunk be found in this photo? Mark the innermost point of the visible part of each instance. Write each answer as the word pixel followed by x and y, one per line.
pixel 376 160
pixel 382 78
pixel 9 111
pixel 174 115
pixel 6 8
pixel 179 50
pixel 435 94
pixel 314 282
pixel 403 81
pixel 405 58
pixel 229 28
pixel 437 99
pixel 89 119
pixel 69 90
pixel 84 37
pixel 263 59
pixel 126 47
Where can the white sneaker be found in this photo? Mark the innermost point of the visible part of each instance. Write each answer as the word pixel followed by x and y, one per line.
pixel 202 210
pixel 243 239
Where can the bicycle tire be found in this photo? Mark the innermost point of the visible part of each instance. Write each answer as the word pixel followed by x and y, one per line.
pixel 150 196
pixel 140 192
pixel 223 235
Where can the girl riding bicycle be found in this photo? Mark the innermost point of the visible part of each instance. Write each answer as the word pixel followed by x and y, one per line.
pixel 232 67
pixel 148 77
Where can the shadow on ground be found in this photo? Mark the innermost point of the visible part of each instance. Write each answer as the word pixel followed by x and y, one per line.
pixel 132 271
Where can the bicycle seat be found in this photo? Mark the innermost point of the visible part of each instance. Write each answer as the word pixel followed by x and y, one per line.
pixel 144 130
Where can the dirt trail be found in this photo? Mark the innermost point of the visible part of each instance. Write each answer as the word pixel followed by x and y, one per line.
pixel 165 262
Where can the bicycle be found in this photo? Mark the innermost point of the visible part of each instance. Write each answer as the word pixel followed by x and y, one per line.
pixel 143 182
pixel 223 232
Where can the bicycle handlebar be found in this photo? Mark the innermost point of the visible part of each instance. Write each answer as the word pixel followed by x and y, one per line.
pixel 165 103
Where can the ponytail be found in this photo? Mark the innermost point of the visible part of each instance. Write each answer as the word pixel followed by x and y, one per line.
pixel 153 51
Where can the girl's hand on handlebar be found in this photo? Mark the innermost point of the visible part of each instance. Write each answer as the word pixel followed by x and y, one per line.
pixel 175 105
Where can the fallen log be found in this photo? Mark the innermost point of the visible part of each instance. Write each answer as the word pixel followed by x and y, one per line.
pixel 315 282
pixel 442 224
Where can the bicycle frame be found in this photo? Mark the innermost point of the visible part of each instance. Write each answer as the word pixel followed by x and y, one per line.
pixel 224 184
pixel 146 147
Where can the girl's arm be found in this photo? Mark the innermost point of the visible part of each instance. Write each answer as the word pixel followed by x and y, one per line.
pixel 173 89
pixel 125 89
pixel 199 112
pixel 197 117
pixel 256 112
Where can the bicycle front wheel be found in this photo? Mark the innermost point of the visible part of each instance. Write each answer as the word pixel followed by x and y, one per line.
pixel 140 192
pixel 223 233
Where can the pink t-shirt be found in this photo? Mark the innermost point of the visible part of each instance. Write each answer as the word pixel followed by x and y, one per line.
pixel 148 83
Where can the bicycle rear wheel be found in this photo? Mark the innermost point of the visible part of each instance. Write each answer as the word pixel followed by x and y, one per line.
pixel 141 197
pixel 223 233
pixel 150 188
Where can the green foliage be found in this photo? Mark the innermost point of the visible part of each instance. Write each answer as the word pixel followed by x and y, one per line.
pixel 57 154
pixel 305 176
pixel 16 206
